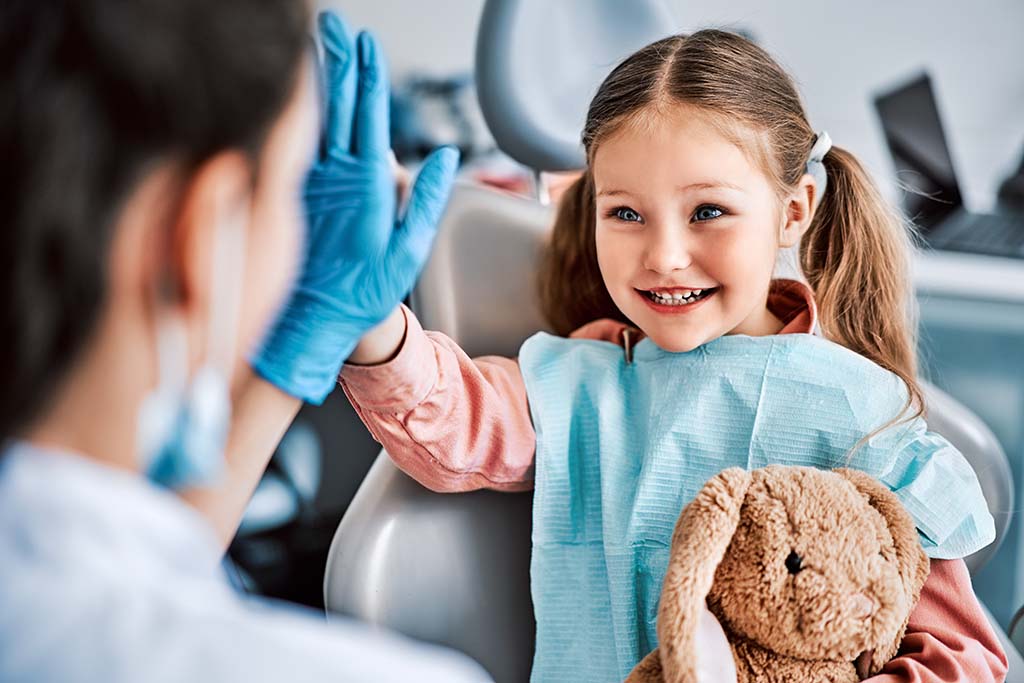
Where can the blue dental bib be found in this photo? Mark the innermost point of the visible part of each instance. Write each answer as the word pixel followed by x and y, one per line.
pixel 623 447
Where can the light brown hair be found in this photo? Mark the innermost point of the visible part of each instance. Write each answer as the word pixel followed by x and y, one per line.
pixel 855 254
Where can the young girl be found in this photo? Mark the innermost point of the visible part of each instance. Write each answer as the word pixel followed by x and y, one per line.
pixel 686 357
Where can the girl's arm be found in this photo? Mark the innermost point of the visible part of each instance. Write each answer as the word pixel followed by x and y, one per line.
pixel 450 422
pixel 948 637
pixel 476 410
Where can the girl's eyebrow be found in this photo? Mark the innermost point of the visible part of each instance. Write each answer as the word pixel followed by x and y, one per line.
pixel 702 185
pixel 612 193
pixel 711 185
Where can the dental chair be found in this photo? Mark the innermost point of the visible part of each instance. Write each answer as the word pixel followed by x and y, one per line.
pixel 453 569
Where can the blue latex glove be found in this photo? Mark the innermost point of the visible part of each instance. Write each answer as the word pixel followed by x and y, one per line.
pixel 361 259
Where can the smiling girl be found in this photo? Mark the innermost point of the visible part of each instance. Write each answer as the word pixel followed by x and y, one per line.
pixel 685 356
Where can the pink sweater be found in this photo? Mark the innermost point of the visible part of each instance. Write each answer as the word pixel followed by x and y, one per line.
pixel 459 424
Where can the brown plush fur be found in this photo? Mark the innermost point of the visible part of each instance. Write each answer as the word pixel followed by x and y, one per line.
pixel 839 618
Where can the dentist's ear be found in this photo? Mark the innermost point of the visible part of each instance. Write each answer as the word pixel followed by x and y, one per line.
pixel 797 211
pixel 219 191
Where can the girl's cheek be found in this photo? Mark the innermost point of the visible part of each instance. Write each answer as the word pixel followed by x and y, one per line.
pixel 608 242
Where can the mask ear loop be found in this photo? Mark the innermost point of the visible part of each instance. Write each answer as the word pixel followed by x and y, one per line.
pixel 230 246
pixel 199 459
pixel 158 411
pixel 171 340
pixel 172 355
pixel 185 421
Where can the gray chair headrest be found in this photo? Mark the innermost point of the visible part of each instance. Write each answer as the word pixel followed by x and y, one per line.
pixel 539 63
pixel 479 286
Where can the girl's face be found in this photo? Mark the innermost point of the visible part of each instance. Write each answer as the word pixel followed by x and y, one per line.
pixel 687 231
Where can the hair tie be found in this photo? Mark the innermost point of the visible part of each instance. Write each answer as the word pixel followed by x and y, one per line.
pixel 816 163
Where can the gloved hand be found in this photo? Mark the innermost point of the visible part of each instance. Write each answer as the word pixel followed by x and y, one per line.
pixel 361 260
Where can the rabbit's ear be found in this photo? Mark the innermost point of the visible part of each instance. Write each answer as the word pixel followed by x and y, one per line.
pixel 702 535
pixel 910 557
pixel 913 563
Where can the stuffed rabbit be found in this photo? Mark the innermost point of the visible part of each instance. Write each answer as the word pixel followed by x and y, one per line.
pixel 812 574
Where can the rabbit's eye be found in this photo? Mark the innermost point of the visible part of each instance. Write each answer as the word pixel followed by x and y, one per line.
pixel 794 563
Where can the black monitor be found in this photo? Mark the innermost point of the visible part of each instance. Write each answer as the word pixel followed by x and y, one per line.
pixel 924 168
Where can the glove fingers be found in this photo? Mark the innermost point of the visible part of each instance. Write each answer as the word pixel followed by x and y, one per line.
pixel 340 88
pixel 372 138
pixel 433 186
pixel 410 246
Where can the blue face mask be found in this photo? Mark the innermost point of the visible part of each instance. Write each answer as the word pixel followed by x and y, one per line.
pixel 183 424
pixel 182 434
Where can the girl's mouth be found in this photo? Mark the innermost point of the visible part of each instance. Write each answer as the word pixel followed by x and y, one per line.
pixel 676 298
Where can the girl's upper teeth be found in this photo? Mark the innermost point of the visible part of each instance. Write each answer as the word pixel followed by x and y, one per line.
pixel 679 296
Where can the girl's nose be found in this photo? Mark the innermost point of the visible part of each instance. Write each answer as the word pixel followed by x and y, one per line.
pixel 667 250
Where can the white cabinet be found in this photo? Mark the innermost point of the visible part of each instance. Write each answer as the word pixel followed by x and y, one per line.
pixel 972 345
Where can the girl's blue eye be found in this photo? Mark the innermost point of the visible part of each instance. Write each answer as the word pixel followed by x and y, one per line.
pixel 707 212
pixel 624 213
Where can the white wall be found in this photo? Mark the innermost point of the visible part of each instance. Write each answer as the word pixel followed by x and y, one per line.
pixel 436 37
pixel 839 52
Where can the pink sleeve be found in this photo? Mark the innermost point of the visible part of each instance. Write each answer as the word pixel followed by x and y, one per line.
pixel 948 637
pixel 450 422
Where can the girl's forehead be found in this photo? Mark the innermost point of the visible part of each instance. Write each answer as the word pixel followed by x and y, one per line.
pixel 682 148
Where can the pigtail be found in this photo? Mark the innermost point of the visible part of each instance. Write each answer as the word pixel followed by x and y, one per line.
pixel 856 257
pixel 572 291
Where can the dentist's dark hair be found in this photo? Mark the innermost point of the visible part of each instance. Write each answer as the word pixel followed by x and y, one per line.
pixel 856 252
pixel 93 94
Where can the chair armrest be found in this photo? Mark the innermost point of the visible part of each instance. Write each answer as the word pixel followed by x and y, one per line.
pixel 451 569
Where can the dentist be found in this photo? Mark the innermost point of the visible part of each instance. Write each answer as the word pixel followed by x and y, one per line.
pixel 175 281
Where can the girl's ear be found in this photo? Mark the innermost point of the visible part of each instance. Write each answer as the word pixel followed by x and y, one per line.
pixel 797 211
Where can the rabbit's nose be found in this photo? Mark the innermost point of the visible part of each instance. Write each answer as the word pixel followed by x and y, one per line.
pixel 861 606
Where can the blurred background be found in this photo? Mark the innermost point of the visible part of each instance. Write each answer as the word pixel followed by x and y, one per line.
pixel 845 57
